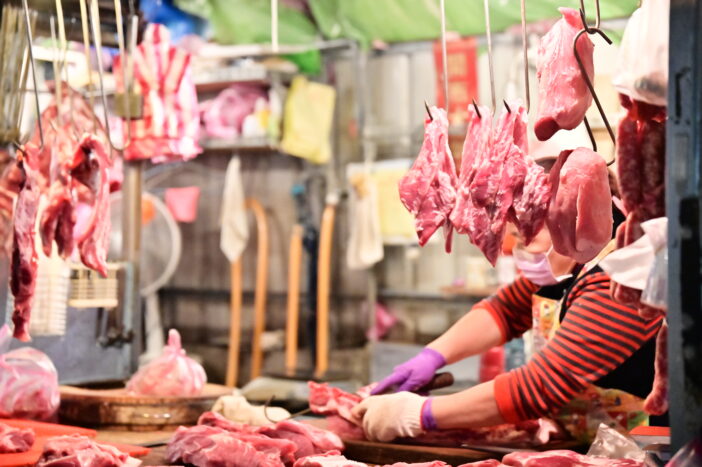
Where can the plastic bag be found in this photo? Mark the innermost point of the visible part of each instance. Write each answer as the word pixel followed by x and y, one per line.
pixel 614 445
pixel 171 374
pixel 655 293
pixel 642 71
pixel 28 382
pixel 224 115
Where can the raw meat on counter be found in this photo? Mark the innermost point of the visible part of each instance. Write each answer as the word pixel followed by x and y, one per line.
pixel 28 382
pixel 428 189
pixel 13 440
pixel 563 93
pixel 564 458
pixel 499 182
pixel 207 444
pixel 330 401
pixel 171 374
pixel 329 459
pixel 81 451
pixel 657 401
pixel 580 215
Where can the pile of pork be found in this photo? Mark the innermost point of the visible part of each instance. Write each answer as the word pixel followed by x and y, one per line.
pixel 61 187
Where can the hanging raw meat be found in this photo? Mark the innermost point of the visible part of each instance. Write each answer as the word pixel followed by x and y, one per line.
pixel 580 215
pixel 499 182
pixel 23 266
pixel 657 402
pixel 563 93
pixel 428 190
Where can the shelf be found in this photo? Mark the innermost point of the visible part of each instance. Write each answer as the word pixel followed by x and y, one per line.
pixel 239 145
pixel 212 81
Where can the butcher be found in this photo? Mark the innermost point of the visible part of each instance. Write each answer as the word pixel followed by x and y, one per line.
pixel 584 340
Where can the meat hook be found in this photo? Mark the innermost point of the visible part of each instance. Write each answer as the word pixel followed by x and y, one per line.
pixel 590 134
pixel 426 106
pixel 88 61
pixel 444 58
pixel 477 110
pixel 597 16
pixel 488 35
pixel 507 106
pixel 588 82
pixel 526 56
pixel 30 41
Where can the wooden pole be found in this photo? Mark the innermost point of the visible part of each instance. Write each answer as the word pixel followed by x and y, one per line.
pixel 293 311
pixel 235 324
pixel 324 266
pixel 261 286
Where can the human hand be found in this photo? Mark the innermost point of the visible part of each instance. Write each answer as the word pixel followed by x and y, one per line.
pixel 414 373
pixel 391 416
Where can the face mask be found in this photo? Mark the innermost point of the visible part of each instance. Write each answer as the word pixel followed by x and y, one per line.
pixel 534 266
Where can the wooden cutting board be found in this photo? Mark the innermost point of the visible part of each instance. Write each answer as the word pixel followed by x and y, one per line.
pixel 114 409
pixel 43 431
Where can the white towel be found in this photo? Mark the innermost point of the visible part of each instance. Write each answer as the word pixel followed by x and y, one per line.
pixel 235 227
pixel 366 240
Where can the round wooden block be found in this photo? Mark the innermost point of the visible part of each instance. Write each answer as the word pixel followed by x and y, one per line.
pixel 114 409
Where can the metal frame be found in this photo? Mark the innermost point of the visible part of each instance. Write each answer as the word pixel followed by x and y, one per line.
pixel 684 190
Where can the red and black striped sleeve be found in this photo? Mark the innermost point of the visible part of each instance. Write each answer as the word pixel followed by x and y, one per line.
pixel 510 307
pixel 596 336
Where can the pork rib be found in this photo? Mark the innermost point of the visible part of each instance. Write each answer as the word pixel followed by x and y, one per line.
pixel 563 93
pixel 428 190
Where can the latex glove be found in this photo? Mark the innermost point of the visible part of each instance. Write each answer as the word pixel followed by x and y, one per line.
pixel 399 415
pixel 414 373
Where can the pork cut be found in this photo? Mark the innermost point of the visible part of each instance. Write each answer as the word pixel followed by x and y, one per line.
pixel 208 446
pixel 657 401
pixel 580 214
pixel 13 440
pixel 23 267
pixel 419 464
pixel 485 463
pixel 10 183
pixel 81 451
pixel 563 93
pixel 329 459
pixel 428 189
pixel 219 421
pixel 564 458
pixel 309 439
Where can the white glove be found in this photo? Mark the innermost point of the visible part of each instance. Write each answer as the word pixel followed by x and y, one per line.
pixel 390 416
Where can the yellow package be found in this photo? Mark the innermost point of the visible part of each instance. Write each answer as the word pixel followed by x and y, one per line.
pixel 308 117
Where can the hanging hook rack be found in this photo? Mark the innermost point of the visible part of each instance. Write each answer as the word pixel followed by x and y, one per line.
pixel 591 31
pixel 526 56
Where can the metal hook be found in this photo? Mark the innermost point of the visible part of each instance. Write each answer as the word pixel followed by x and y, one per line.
pixel 587 78
pixel 584 18
pixel 526 57
pixel 125 66
pixel 590 134
pixel 88 62
pixel 426 106
pixel 444 58
pixel 506 106
pixel 477 110
pixel 30 41
pixel 488 34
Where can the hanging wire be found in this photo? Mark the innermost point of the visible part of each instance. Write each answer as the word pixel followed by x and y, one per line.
pixel 125 81
pixel 57 73
pixel 592 30
pixel 526 56
pixel 444 55
pixel 274 26
pixel 30 41
pixel 488 34
pixel 88 61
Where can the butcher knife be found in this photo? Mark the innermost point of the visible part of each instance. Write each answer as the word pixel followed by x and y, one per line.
pixel 439 381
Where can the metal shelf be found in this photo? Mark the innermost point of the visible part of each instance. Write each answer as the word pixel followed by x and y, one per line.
pixel 216 145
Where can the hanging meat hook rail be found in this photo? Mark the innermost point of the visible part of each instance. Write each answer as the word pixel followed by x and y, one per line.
pixel 488 35
pixel 30 40
pixel 591 31
pixel 526 56
pixel 444 55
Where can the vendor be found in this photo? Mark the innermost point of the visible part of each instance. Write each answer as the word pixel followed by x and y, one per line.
pixel 596 341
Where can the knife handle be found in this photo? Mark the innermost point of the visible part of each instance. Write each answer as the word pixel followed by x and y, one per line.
pixel 439 381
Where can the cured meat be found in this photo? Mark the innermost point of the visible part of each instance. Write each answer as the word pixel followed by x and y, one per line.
pixel 580 215
pixel 24 256
pixel 428 190
pixel 657 401
pixel 309 440
pixel 563 93
pixel 13 440
pixel 564 458
pixel 207 446
pixel 653 169
pixel 628 164
pixel 528 433
pixel 329 459
pixel 81 451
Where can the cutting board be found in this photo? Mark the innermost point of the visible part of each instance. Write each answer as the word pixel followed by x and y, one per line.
pixel 43 431
pixel 114 409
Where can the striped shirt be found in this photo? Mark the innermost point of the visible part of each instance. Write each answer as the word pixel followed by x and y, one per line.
pixel 595 337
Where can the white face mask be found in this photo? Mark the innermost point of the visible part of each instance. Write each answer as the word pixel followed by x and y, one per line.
pixel 534 266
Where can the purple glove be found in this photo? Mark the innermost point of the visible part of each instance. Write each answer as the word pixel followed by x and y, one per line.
pixel 428 420
pixel 414 373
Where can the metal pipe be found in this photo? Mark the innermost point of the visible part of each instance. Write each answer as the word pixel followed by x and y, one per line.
pixel 274 26
pixel 444 59
pixel 526 56
pixel 488 35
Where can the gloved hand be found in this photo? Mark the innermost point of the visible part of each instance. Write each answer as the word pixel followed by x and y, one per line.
pixel 399 415
pixel 414 373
